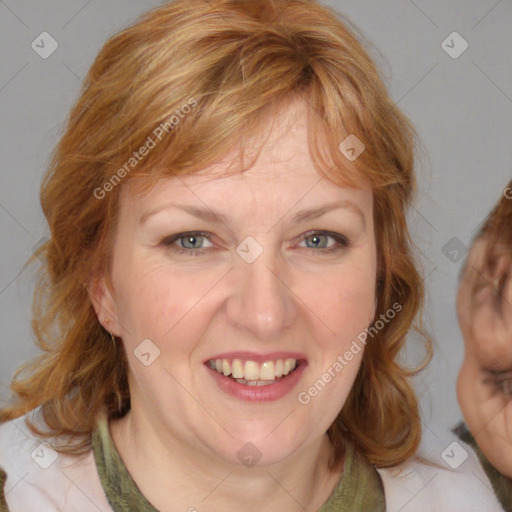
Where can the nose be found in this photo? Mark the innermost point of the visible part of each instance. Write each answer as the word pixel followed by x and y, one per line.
pixel 261 301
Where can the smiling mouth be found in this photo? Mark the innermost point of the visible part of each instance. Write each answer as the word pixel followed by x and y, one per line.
pixel 252 373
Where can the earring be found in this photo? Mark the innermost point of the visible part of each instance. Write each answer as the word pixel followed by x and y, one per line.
pixel 111 335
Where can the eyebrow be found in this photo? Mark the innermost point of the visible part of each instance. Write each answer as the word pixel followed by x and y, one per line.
pixel 314 213
pixel 201 213
pixel 217 218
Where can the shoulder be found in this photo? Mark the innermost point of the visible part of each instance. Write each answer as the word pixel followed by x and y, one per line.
pixel 40 478
pixel 444 476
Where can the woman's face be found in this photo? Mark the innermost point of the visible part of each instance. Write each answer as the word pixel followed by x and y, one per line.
pixel 257 274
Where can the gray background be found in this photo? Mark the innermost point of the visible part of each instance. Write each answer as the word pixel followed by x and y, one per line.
pixel 461 107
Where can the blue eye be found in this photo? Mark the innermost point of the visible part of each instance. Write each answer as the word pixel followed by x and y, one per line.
pixel 325 240
pixel 317 241
pixel 192 241
pixel 188 243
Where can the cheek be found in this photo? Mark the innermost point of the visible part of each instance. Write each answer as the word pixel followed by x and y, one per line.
pixel 156 302
pixel 343 302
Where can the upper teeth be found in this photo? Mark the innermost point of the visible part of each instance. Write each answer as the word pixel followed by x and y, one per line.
pixel 251 370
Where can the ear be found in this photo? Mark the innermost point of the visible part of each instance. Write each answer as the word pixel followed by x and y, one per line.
pixel 103 301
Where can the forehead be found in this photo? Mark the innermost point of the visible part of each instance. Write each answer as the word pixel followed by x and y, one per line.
pixel 273 166
pixel 277 151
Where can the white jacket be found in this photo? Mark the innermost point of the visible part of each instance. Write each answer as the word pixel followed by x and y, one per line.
pixel 39 480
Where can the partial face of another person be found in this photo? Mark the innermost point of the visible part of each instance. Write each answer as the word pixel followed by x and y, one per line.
pixel 265 276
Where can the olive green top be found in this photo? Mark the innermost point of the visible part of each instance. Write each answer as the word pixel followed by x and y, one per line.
pixel 359 490
pixel 3 504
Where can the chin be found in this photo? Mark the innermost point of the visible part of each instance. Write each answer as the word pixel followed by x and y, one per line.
pixel 264 447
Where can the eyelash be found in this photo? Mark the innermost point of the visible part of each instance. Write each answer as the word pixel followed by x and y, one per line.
pixel 342 242
pixel 169 241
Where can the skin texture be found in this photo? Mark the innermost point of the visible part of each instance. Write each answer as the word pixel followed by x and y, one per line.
pixel 484 308
pixel 187 432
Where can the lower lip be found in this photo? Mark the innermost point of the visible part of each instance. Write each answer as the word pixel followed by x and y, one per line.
pixel 267 393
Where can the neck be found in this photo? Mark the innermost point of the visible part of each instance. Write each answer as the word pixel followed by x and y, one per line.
pixel 162 466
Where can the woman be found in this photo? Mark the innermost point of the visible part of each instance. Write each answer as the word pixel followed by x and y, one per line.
pixel 229 282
